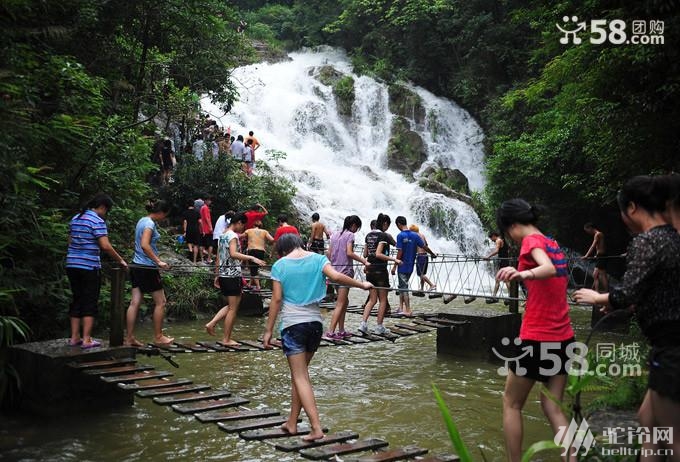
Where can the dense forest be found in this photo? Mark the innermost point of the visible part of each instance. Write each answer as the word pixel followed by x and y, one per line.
pixel 86 86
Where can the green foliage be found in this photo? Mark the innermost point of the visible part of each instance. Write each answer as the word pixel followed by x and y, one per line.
pixel 188 294
pixel 12 329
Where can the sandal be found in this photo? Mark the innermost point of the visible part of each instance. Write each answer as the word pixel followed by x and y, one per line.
pixel 93 344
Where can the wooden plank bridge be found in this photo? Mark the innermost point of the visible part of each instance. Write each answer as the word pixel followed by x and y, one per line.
pixel 232 413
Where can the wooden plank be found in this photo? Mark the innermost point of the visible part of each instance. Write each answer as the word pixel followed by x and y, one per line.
pixel 325 452
pixel 387 336
pixel 172 390
pixel 441 458
pixel 427 323
pixel 252 424
pixel 213 346
pixel 192 346
pixel 235 347
pixel 334 341
pixel 189 397
pixel 296 444
pixel 134 377
pixel 209 405
pixel 449 322
pixel 257 345
pixel 401 332
pixel 154 384
pixel 221 416
pixel 392 455
pixel 413 327
pixel 276 432
pixel 357 339
pixel 169 348
pixel 369 336
pixel 119 370
pixel 104 363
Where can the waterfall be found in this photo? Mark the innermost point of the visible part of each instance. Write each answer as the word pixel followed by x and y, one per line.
pixel 338 163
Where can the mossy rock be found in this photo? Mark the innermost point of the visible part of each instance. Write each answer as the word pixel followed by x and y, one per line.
pixel 343 89
pixel 328 75
pixel 451 178
pixel 405 103
pixel 434 186
pixel 406 150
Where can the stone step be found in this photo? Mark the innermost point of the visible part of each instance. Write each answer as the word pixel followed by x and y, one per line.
pixel 222 416
pixel 154 384
pixel 326 452
pixel 189 388
pixel 209 405
pixel 296 444
pixel 189 397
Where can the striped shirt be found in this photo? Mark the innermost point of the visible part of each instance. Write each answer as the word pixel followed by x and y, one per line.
pixel 83 250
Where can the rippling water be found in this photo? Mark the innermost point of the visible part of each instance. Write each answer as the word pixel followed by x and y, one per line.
pixel 380 389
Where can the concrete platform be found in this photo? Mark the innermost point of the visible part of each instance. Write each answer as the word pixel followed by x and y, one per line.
pixel 49 387
pixel 484 330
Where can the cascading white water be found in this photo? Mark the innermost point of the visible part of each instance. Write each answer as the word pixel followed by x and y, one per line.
pixel 338 163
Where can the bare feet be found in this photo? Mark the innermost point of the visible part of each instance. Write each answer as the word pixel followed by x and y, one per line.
pixel 163 340
pixel 133 342
pixel 210 330
pixel 228 342
pixel 290 429
pixel 313 436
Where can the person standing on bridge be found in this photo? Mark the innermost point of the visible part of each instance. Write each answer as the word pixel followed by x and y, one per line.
pixel 500 251
pixel 598 249
pixel 545 324
pixel 316 243
pixel 88 236
pixel 341 251
pixel 145 276
pixel 298 285
pixel 377 252
pixel 228 276
pixel 407 248
pixel 422 260
pixel 650 284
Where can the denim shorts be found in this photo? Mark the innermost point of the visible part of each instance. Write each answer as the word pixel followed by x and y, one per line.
pixel 403 282
pixel 301 338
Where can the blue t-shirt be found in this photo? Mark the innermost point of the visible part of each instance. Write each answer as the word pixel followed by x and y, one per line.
pixel 83 250
pixel 304 286
pixel 408 241
pixel 140 257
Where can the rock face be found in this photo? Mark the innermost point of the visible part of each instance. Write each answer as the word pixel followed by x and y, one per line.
pixel 406 150
pixel 265 53
pixel 437 187
pixel 405 103
pixel 342 85
pixel 451 178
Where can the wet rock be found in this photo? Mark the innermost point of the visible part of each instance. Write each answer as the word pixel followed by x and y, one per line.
pixel 440 188
pixel 406 150
pixel 369 173
pixel 405 103
pixel 343 90
pixel 450 178
pixel 328 75
pixel 265 53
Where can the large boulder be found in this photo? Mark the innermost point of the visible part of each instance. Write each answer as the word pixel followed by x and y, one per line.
pixel 328 75
pixel 451 178
pixel 405 103
pixel 343 90
pixel 406 150
pixel 439 188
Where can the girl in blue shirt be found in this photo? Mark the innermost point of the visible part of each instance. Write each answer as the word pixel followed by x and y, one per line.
pixel 298 285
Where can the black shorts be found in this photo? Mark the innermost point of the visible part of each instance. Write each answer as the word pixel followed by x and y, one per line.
pixel 254 267
pixel 206 240
pixel 601 262
pixel 231 287
pixel 664 371
pixel 193 237
pixel 541 367
pixel 317 246
pixel 85 286
pixel 378 278
pixel 421 264
pixel 146 279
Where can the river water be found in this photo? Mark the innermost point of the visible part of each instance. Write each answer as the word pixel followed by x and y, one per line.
pixel 380 389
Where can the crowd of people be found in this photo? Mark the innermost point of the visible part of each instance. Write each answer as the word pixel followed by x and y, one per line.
pixel 210 141
pixel 649 206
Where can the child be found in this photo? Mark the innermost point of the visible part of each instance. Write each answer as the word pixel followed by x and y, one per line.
pixel 298 285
